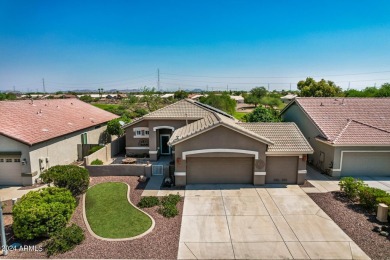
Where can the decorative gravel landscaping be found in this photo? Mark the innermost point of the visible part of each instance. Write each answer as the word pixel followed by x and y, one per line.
pixel 161 243
pixel 109 213
pixel 355 221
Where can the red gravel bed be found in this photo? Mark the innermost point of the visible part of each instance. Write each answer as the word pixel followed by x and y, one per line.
pixel 161 243
pixel 356 222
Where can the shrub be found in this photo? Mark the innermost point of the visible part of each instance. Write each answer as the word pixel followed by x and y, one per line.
pixel 351 186
pixel 65 240
pixel 97 162
pixel 385 200
pixel 72 177
pixel 170 199
pixel 94 149
pixel 168 210
pixel 148 202
pixel 42 213
pixel 368 196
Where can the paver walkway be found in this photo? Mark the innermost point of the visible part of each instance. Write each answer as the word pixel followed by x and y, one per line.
pixel 246 222
pixel 324 183
pixel 153 188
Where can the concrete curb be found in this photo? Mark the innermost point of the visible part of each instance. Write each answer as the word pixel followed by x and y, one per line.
pixel 116 239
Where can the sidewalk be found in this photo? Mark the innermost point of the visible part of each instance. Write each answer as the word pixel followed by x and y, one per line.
pixel 325 183
pixel 7 193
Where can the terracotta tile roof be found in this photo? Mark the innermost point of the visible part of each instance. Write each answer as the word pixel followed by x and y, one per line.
pixel 286 137
pixel 209 122
pixel 332 115
pixel 43 120
pixel 356 132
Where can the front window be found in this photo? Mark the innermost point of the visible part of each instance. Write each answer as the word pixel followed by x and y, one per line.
pixel 141 132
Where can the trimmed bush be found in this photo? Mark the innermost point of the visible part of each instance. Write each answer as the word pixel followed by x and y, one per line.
pixel 97 162
pixel 65 240
pixel 170 199
pixel 94 149
pixel 168 210
pixel 148 202
pixel 351 187
pixel 72 177
pixel 41 213
pixel 385 200
pixel 368 196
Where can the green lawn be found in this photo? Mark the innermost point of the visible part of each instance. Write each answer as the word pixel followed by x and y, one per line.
pixel 239 115
pixel 107 107
pixel 109 213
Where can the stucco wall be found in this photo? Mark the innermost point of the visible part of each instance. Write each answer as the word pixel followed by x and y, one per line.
pixel 153 135
pixel 329 156
pixel 220 138
pixel 120 170
pixel 61 150
pixel 307 127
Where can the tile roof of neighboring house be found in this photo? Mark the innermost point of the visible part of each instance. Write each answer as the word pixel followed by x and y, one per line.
pixel 286 137
pixel 289 96
pixel 340 120
pixel 183 109
pixel 358 133
pixel 210 121
pixel 34 122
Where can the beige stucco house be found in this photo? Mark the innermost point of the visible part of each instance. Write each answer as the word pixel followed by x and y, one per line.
pixel 38 134
pixel 350 136
pixel 209 146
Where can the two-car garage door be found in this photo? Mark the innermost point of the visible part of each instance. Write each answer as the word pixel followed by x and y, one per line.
pixel 366 163
pixel 219 170
pixel 10 171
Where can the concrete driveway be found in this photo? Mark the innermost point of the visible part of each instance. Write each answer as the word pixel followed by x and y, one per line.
pixel 244 222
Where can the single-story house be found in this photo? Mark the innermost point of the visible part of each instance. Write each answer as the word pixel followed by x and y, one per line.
pixel 238 99
pixel 168 95
pixel 287 98
pixel 38 134
pixel 350 136
pixel 210 146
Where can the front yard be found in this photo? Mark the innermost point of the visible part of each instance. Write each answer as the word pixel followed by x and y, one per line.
pixel 161 243
pixel 110 215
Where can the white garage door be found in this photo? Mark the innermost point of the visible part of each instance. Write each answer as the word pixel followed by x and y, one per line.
pixel 10 171
pixel 366 163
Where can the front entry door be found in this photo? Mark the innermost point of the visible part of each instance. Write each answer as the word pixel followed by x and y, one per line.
pixel 164 147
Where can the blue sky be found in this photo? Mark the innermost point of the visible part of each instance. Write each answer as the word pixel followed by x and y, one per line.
pixel 220 44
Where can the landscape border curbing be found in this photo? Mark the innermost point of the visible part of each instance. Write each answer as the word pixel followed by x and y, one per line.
pixel 116 239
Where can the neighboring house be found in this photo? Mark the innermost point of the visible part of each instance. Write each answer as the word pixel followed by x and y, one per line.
pixel 287 98
pixel 168 95
pixel 350 136
pixel 195 97
pixel 38 134
pixel 238 99
pixel 209 146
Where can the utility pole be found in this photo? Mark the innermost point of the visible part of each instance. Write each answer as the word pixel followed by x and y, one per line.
pixel 290 87
pixel 43 85
pixel 158 79
pixel 2 227
pixel 227 87
pixel 268 87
